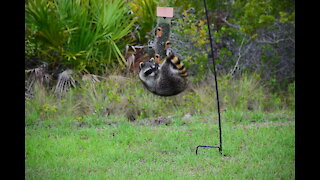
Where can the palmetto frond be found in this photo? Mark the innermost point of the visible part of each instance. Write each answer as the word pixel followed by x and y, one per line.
pixel 36 75
pixel 65 81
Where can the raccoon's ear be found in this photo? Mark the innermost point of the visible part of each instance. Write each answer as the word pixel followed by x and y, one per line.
pixel 157 58
pixel 141 65
pixel 151 60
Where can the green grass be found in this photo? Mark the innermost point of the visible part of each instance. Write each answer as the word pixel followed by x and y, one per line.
pixel 87 133
pixel 114 148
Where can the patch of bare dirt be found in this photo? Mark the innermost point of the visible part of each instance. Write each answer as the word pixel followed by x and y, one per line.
pixel 160 120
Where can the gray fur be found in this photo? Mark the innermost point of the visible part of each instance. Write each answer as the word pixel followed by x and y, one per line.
pixel 164 80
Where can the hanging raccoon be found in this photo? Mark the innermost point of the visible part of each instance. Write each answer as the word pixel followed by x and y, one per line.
pixel 167 79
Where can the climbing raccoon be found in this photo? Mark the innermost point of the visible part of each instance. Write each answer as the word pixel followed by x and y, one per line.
pixel 167 79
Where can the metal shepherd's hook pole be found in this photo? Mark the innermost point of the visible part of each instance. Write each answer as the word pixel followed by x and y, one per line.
pixel 216 83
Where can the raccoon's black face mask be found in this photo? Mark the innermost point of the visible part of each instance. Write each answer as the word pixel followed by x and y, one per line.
pixel 152 67
pixel 147 73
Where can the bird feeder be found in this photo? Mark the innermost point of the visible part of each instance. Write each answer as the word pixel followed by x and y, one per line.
pixel 164 16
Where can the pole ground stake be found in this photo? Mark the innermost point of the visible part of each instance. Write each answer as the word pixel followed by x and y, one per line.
pixel 216 83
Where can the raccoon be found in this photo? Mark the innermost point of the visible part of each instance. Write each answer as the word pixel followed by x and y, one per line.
pixel 168 79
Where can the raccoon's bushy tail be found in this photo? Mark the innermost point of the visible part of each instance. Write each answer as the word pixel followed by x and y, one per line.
pixel 178 65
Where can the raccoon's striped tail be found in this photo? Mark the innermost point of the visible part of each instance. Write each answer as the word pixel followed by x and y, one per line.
pixel 178 65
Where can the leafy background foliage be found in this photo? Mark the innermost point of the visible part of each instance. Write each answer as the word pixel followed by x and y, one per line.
pixel 82 35
pixel 90 36
pixel 145 11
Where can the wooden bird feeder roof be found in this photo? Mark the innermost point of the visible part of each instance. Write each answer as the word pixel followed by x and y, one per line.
pixel 165 12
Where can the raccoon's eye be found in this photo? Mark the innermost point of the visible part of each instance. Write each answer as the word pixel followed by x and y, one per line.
pixel 141 65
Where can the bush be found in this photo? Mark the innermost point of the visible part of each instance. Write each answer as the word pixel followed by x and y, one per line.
pixel 81 35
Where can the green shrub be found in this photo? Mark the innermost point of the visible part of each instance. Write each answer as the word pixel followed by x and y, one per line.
pixel 145 12
pixel 82 35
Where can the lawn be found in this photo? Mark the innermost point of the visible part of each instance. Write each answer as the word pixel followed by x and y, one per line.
pixel 111 147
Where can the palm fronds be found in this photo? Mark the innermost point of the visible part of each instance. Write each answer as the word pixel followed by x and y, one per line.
pixel 36 75
pixel 145 10
pixel 65 81
pixel 82 35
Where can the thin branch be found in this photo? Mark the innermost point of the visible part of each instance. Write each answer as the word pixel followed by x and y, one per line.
pixel 236 26
pixel 264 41
pixel 239 57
